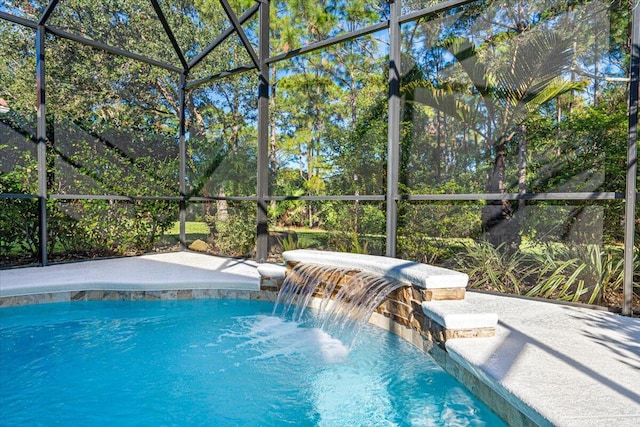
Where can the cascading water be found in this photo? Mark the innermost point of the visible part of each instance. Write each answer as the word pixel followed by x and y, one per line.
pixel 302 282
pixel 342 311
pixel 359 297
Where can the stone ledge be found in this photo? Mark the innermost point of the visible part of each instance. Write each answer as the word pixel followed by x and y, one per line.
pixel 421 275
pixel 460 316
pixel 272 271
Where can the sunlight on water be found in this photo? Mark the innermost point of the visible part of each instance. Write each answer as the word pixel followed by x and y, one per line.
pixel 274 337
pixel 213 362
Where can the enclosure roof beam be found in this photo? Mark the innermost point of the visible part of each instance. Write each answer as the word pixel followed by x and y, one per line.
pixel 17 20
pixel 440 7
pixel 223 36
pixel 200 82
pixel 368 30
pixel 47 12
pixel 169 32
pixel 243 37
pixel 113 197
pixel 115 50
pixel 324 43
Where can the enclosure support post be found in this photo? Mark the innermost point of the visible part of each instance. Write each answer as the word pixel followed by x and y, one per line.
pixel 183 162
pixel 42 146
pixel 632 162
pixel 393 140
pixel 262 243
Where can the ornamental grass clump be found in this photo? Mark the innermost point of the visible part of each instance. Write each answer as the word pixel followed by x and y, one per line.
pixel 588 274
pixel 495 269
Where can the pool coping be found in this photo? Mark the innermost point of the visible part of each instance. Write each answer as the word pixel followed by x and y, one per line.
pixel 557 365
pixel 422 275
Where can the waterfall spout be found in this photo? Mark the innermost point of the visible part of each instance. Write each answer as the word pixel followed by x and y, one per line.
pixel 347 296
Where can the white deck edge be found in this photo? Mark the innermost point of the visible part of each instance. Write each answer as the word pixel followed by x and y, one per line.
pixel 153 272
pixel 459 315
pixel 422 275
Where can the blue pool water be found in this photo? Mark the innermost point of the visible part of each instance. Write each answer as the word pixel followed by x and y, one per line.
pixel 213 363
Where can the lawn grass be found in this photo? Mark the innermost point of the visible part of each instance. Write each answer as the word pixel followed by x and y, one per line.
pixel 194 230
pixel 193 227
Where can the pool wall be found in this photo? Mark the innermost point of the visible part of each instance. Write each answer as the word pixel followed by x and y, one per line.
pixel 136 295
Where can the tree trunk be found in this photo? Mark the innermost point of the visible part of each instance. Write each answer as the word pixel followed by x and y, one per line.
pixel 498 223
pixel 222 207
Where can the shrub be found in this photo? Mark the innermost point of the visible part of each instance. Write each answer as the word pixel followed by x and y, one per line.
pixel 494 268
pixel 235 235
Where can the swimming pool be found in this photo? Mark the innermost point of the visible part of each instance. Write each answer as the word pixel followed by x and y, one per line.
pixel 214 362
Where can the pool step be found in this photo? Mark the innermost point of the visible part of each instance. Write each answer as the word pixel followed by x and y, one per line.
pixel 459 319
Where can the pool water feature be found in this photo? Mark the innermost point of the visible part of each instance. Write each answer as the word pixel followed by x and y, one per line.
pixel 214 362
pixel 348 298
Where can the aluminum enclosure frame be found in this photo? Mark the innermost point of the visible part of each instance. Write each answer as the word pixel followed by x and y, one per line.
pixel 260 62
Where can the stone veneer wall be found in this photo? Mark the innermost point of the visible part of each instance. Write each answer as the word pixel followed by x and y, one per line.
pixel 109 295
pixel 404 306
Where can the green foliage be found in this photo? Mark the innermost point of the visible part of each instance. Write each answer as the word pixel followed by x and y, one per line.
pixel 583 273
pixel 348 243
pixel 19 228
pixel 583 153
pixel 494 268
pixel 422 247
pixel 84 228
pixel 235 235
pixel 559 279
pixel 441 219
pixel 314 239
pixel 290 243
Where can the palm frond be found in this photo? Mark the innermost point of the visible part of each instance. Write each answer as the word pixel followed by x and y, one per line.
pixel 443 99
pixel 467 56
pixel 536 62
pixel 554 89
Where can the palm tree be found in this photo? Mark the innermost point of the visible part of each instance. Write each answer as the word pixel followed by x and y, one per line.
pixel 532 74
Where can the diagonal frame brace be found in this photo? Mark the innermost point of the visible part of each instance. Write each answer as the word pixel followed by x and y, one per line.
pixel 228 73
pixel 236 24
pixel 47 12
pixel 223 36
pixel 169 32
pixel 111 49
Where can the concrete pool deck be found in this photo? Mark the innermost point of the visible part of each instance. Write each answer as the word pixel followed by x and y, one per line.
pixel 559 365
pixel 153 272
